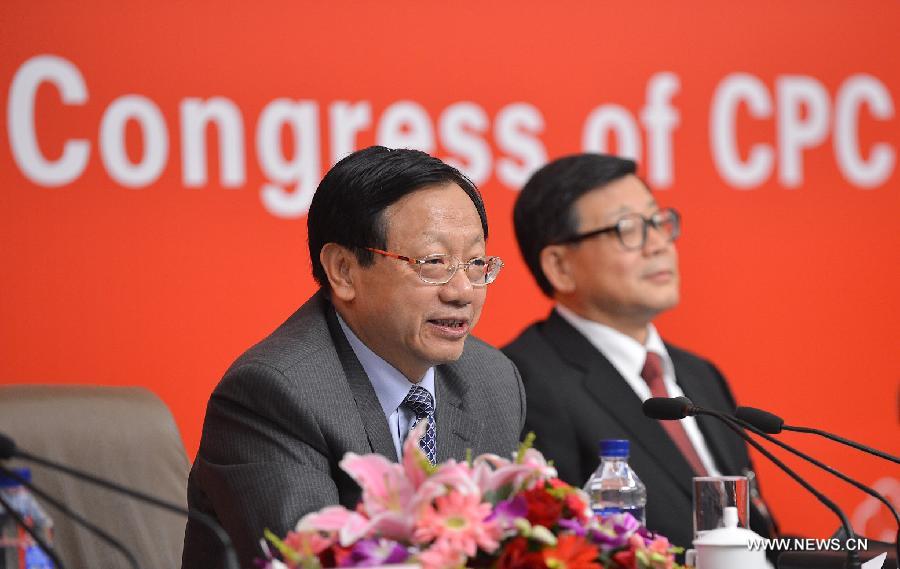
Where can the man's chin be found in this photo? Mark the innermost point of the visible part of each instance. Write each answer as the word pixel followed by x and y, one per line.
pixel 662 299
pixel 650 309
pixel 444 356
pixel 669 302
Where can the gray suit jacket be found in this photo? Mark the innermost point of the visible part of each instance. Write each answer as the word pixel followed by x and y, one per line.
pixel 289 408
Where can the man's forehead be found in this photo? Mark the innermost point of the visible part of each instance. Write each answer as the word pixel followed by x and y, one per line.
pixel 623 209
pixel 623 196
pixel 429 217
pixel 467 236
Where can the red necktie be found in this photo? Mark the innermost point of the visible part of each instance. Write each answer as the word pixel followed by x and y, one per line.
pixel 653 375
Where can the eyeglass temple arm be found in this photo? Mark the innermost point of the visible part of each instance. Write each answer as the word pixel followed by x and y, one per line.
pixel 583 236
pixel 393 255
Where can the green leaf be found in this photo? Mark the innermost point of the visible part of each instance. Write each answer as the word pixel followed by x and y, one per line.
pixel 283 548
pixel 525 445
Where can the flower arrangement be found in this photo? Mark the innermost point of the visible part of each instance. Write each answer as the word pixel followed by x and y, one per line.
pixel 483 513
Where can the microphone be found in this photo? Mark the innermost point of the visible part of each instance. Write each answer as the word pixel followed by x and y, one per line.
pixel 666 408
pixel 762 420
pixel 107 538
pixel 690 409
pixel 57 562
pixel 8 449
pixel 773 424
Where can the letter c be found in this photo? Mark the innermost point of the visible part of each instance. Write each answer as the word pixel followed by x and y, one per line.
pixel 20 118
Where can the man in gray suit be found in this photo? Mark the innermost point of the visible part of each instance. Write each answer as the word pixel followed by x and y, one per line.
pixel 397 244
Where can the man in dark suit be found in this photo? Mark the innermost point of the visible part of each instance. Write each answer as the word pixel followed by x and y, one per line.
pixel 397 244
pixel 598 244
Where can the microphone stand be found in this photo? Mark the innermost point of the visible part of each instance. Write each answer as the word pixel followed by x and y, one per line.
pixel 843 441
pixel 773 424
pixel 752 428
pixel 107 538
pixel 8 448
pixel 852 556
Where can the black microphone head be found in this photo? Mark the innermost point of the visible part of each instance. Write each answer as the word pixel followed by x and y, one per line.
pixel 687 403
pixel 7 447
pixel 762 420
pixel 666 409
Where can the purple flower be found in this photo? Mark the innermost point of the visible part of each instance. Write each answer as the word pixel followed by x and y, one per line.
pixel 647 535
pixel 625 523
pixel 614 531
pixel 374 552
pixel 573 526
pixel 508 511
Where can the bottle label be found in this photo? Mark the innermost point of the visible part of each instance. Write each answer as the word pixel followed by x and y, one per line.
pixel 606 511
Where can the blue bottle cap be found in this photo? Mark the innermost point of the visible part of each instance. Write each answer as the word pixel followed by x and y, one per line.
pixel 614 448
pixel 10 482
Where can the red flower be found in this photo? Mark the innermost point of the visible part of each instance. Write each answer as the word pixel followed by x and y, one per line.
pixel 515 555
pixel 335 556
pixel 543 509
pixel 576 507
pixel 557 483
pixel 572 552
pixel 625 558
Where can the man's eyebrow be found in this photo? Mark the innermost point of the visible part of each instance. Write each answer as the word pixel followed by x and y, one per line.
pixel 617 212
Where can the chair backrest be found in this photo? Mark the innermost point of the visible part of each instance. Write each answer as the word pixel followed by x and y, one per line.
pixel 125 434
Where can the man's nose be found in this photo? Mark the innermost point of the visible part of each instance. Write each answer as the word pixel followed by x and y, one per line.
pixel 458 289
pixel 657 240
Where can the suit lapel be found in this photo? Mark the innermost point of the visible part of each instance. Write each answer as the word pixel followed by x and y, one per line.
pixel 374 421
pixel 457 430
pixel 617 399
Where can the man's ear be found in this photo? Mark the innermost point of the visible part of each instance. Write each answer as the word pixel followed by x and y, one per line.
pixel 557 267
pixel 341 266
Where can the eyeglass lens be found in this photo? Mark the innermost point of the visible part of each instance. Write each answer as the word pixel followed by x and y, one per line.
pixel 632 229
pixel 439 269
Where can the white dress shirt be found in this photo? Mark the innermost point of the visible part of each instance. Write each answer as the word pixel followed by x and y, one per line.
pixel 627 355
pixel 391 387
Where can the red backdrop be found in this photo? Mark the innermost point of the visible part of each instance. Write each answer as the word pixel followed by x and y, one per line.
pixel 157 160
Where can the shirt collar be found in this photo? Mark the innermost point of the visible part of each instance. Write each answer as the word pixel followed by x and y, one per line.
pixel 390 385
pixel 623 351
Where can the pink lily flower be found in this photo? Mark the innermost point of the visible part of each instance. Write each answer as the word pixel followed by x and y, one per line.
pixel 348 526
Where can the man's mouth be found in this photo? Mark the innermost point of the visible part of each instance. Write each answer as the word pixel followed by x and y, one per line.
pixel 449 322
pixel 451 328
pixel 659 275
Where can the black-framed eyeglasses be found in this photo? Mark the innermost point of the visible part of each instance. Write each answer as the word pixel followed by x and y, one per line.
pixel 439 268
pixel 631 229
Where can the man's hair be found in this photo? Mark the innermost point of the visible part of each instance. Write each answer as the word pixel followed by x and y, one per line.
pixel 544 212
pixel 348 206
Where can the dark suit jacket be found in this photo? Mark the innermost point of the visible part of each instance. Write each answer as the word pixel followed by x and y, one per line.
pixel 576 398
pixel 288 410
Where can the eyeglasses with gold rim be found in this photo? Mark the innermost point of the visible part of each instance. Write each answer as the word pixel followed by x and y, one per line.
pixel 439 268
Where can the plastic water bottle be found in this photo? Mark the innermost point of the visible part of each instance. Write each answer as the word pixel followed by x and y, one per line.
pixel 614 487
pixel 17 549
